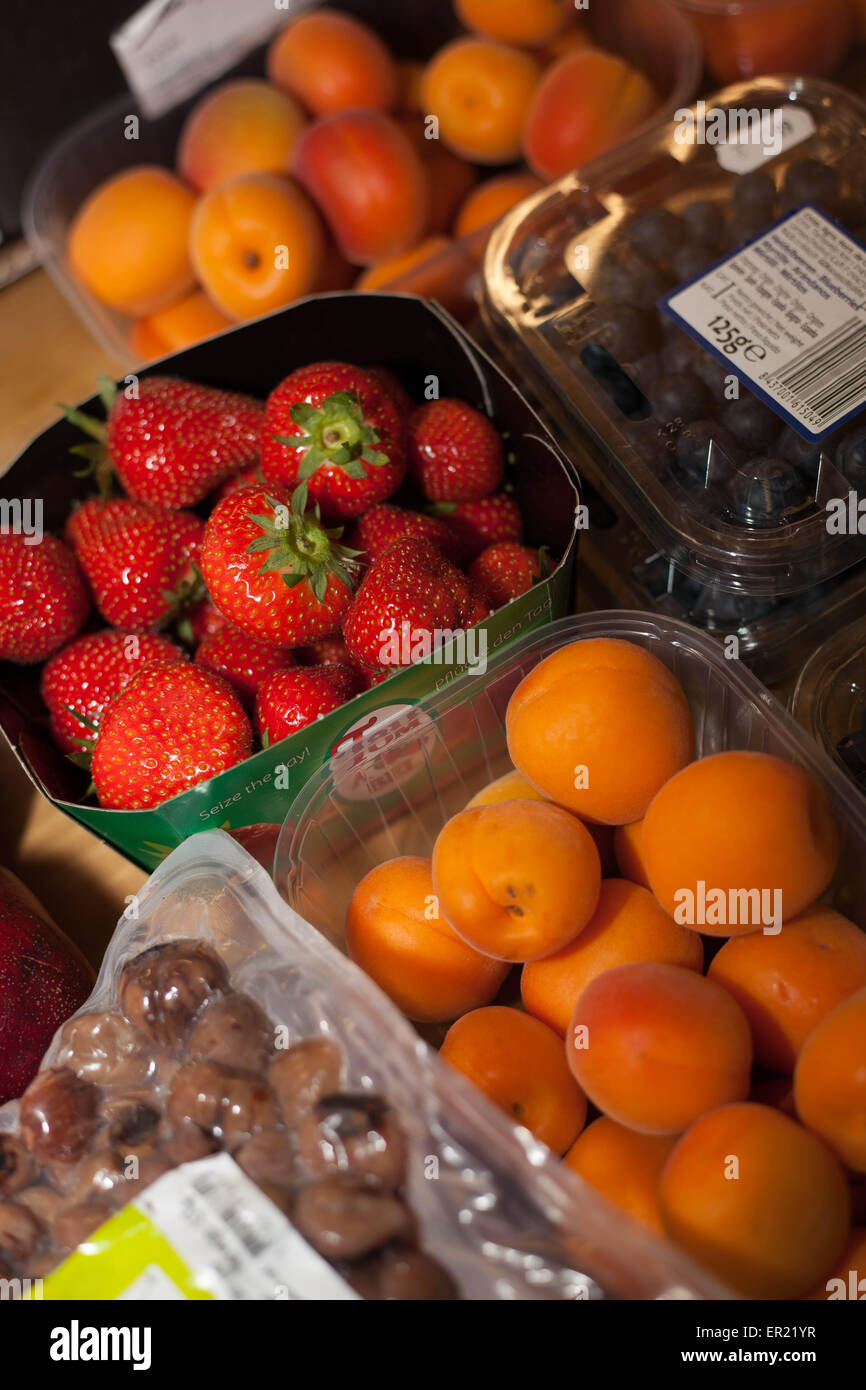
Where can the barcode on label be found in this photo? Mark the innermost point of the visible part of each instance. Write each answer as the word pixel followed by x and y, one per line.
pixel 829 376
pixel 222 1202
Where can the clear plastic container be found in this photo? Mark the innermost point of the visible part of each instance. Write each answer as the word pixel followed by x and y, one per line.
pixel 652 34
pixel 626 429
pixel 743 38
pixel 829 698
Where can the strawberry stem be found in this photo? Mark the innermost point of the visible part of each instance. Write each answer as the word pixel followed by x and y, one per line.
pixel 298 547
pixel 99 466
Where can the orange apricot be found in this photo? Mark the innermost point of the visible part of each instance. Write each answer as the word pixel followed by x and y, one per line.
pixel 737 840
pixel 519 1063
pixel 624 1166
pixel 785 984
pixel 511 786
pixel 588 101
pixel 627 926
pixel 333 62
pixel 628 848
pixel 396 933
pixel 128 243
pixel 599 726
pixel 481 91
pixel 830 1081
pixel 449 178
pixel 757 1199
pixel 241 127
pixel 385 272
pixel 847 1278
pixel 515 21
pixel 257 244
pixel 492 199
pixel 654 1046
pixel 178 326
pixel 517 879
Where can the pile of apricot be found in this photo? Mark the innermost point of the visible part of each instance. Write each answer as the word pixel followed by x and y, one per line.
pixel 682 985
pixel 344 160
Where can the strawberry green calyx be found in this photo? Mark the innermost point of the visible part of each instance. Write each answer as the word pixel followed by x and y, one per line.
pixel 335 433
pixel 95 453
pixel 298 547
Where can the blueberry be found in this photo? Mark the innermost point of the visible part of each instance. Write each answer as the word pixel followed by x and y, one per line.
pixel 680 396
pixel 704 443
pixel 765 490
pixel 714 374
pixel 804 454
pixel 626 332
pixel 851 458
pixel 645 371
pixel 754 196
pixel 810 181
pixel 704 220
pixel 752 423
pixel 744 227
pixel 689 261
pixel 656 233
pixel 680 354
pixel 629 280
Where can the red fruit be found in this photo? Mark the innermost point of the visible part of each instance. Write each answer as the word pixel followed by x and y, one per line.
pixel 86 676
pixel 475 525
pixel 289 700
pixel 325 652
pixel 273 569
pixel 202 621
pixel 408 598
pixel 138 558
pixel 43 601
pixel 174 725
pixel 334 427
pixel 383 525
pixel 395 388
pixel 249 477
pixel 260 841
pixel 173 442
pixel 242 660
pixel 480 607
pixel 505 571
pixel 44 978
pixel 455 453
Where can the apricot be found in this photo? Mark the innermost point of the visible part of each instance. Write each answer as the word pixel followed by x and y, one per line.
pixel 481 91
pixel 333 62
pixel 178 326
pixel 519 1063
pixel 396 933
pixel 511 786
pixel 241 127
pixel 742 836
pixel 628 848
pixel 624 1166
pixel 515 21
pixel 256 244
pixel 627 926
pixel 599 726
pixel 786 984
pixel 449 178
pixel 830 1081
pixel 387 271
pixel 654 1046
pixel 492 199
pixel 128 243
pixel 586 102
pixel 757 1199
pixel 517 879
pixel 847 1278
pixel 366 177
pixel 410 86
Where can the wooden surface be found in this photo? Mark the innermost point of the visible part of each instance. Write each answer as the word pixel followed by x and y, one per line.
pixel 46 355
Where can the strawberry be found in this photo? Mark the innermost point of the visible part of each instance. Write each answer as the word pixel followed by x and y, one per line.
pixel 249 477
pixel 242 660
pixel 408 595
pixel 289 700
pixel 81 681
pixel 43 599
pixel 506 570
pixel 201 621
pixel 335 427
pixel 475 525
pixel 273 569
pixel 174 725
pixel 325 652
pixel 383 525
pixel 172 442
pixel 140 559
pixel 395 388
pixel 455 453
pixel 480 606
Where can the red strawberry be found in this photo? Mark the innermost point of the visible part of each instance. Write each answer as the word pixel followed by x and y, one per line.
pixel 335 427
pixel 273 569
pixel 408 595
pixel 289 700
pixel 475 525
pixel 395 388
pixel 174 725
pixel 379 528
pixel 43 600
pixel 172 442
pixel 138 558
pixel 202 621
pixel 242 660
pixel 506 570
pixel 86 676
pixel 249 477
pixel 480 607
pixel 455 453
